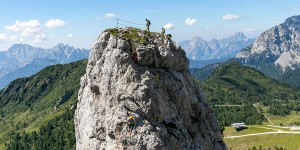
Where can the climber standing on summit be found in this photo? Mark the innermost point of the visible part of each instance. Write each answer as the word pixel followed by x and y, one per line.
pixel 148 24
pixel 131 124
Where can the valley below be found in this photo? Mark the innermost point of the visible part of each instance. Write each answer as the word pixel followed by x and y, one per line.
pixel 280 132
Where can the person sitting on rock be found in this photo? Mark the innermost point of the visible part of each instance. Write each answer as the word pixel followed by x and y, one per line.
pixel 131 124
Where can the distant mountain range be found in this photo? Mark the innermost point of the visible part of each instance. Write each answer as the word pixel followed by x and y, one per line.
pixel 22 60
pixel 199 49
pixel 276 51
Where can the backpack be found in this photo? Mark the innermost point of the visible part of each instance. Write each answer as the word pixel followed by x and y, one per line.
pixel 131 121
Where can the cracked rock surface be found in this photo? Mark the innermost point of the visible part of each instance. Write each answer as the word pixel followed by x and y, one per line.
pixel 146 77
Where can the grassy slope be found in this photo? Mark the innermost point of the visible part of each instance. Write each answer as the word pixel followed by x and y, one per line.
pixel 28 103
pixel 230 131
pixel 236 84
pixel 286 120
pixel 289 141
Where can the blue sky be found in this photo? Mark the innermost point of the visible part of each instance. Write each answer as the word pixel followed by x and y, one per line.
pixel 78 23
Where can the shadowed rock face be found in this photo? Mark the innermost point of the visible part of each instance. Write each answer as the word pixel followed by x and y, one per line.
pixel 145 76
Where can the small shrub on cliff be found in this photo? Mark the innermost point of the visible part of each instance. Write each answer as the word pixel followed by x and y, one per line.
pixel 143 41
pixel 112 31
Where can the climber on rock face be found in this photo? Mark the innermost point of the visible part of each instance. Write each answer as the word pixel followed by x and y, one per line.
pixel 135 57
pixel 131 124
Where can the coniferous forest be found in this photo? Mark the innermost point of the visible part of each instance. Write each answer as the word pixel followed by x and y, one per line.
pixel 57 134
pixel 37 112
pixel 234 90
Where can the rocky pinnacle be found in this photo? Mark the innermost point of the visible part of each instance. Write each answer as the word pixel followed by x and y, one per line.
pixel 135 72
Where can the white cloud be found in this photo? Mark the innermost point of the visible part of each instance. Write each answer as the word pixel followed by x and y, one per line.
pixel 3 37
pixel 25 28
pixel 70 35
pixel 231 17
pixel 169 26
pixel 55 23
pixel 190 21
pixel 207 27
pixel 40 38
pixel 110 15
pixel 21 39
pixel 13 37
pixel 249 30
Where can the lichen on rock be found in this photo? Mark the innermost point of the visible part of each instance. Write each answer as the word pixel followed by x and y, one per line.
pixel 149 80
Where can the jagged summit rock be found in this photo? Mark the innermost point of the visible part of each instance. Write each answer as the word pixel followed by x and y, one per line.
pixel 134 72
pixel 150 49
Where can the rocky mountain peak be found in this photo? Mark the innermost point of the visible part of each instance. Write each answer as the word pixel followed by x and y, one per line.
pixel 21 57
pixel 238 36
pixel 291 21
pixel 18 47
pixel 197 39
pixel 61 45
pixel 148 49
pixel 133 72
pixel 280 46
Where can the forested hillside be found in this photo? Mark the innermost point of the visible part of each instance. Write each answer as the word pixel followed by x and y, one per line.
pixel 292 78
pixel 41 107
pixel 237 84
pixel 234 89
